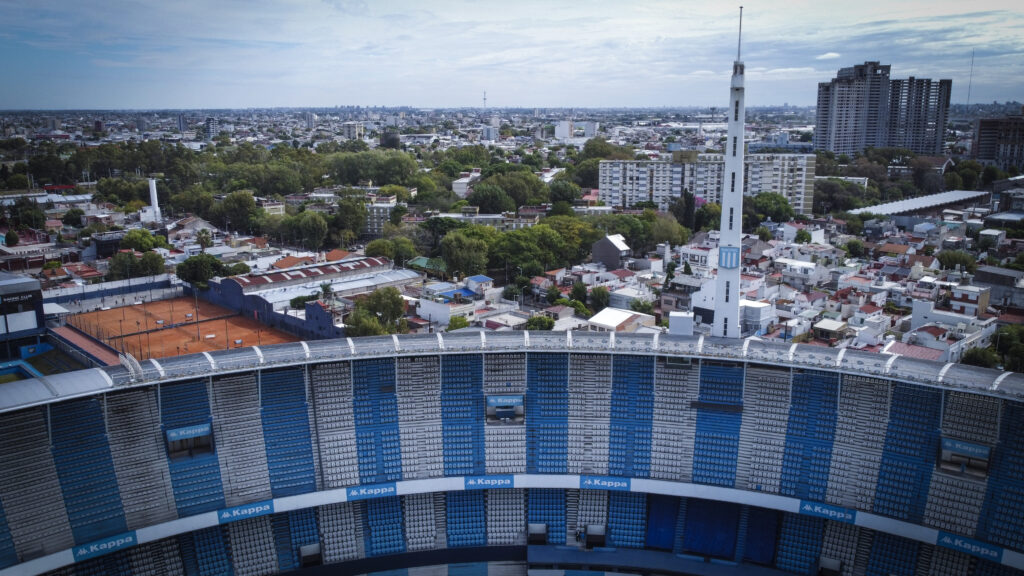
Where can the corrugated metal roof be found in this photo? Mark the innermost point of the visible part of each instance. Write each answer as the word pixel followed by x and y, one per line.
pixel 921 202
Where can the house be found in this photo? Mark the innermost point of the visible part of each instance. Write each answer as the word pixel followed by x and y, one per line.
pixel 618 320
pixel 969 300
pixel 559 312
pixel 790 229
pixel 612 251
pixel 292 262
pixel 336 255
pixel 479 284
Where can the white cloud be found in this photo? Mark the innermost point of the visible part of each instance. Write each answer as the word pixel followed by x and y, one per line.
pixel 828 56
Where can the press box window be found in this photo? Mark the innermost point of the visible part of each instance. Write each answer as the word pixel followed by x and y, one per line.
pixel 189 440
pixel 966 458
pixel 505 409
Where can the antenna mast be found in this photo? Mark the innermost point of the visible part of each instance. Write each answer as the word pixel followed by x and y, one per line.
pixel 970 80
pixel 739 40
pixel 485 99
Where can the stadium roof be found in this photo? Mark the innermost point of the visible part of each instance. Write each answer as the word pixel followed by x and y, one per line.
pixel 21 394
pixel 922 202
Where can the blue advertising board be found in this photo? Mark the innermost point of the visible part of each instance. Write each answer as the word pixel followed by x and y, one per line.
pixel 371 491
pixel 104 546
pixel 828 511
pixel 245 511
pixel 487 482
pixel 604 483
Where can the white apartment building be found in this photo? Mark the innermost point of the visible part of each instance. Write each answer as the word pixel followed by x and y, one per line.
pixel 627 182
pixel 353 130
pixel 791 175
pixel 564 130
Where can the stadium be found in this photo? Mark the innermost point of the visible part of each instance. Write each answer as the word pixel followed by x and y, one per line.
pixel 515 453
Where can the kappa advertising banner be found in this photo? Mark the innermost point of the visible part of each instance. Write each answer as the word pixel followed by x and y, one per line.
pixel 105 546
pixel 828 511
pixel 965 448
pixel 246 511
pixel 495 401
pixel 371 491
pixel 487 482
pixel 186 432
pixel 604 483
pixel 970 546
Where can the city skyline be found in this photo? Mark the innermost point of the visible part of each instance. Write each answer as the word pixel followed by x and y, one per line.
pixel 122 55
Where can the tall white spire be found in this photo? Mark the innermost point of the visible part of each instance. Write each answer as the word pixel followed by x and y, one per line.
pixel 727 288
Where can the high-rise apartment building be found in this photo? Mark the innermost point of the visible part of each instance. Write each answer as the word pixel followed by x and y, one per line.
pixel 863 107
pixel 853 109
pixel 918 113
pixel 212 128
pixel 999 142
pixel 626 182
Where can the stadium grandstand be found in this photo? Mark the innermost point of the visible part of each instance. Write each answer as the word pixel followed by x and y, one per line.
pixel 506 452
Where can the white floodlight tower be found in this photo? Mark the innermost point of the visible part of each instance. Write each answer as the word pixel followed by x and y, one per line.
pixel 727 288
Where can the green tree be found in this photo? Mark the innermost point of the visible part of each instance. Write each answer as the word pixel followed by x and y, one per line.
pixel 855 248
pixel 27 214
pixel 552 294
pixel 11 239
pixel 665 228
pixel 562 190
pixel 73 217
pixel 198 269
pixel 641 306
pixel 204 238
pixel 457 322
pixel 463 255
pixel 949 259
pixel 491 199
pixel 990 174
pixel 138 239
pixel 380 247
pixel 404 249
pixel 599 298
pixel 511 292
pixel 362 322
pixel 16 182
pixel 313 228
pixel 983 357
pixel 953 181
pixel 387 304
pixel 123 265
pixel 763 233
pixel 802 237
pixel 774 206
pixel 540 323
pixel 236 210
pixel 684 209
pixel 579 292
pixel 151 264
pixel 708 217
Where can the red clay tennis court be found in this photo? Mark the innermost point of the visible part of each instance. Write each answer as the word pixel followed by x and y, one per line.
pixel 173 327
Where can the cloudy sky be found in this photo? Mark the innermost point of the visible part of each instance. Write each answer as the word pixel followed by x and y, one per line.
pixel 436 53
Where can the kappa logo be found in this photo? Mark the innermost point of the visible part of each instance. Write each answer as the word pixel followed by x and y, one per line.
pixel 825 511
pixel 371 492
pixel 105 546
pixel 487 482
pixel 605 483
pixel 971 547
pixel 245 511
